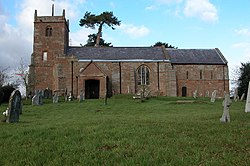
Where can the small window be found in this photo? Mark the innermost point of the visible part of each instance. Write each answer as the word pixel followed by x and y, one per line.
pixel 187 74
pixel 143 75
pixel 45 56
pixel 200 74
pixel 48 31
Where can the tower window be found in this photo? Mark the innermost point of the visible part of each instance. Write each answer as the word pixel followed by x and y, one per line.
pixel 143 75
pixel 45 56
pixel 187 74
pixel 48 31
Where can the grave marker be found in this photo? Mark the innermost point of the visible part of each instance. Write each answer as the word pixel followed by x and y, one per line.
pixel 247 108
pixel 213 96
pixel 15 107
pixel 226 104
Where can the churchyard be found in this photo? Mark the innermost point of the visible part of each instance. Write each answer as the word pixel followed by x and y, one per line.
pixel 158 131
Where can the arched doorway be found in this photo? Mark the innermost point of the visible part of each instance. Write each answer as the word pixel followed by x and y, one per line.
pixel 184 91
pixel 92 88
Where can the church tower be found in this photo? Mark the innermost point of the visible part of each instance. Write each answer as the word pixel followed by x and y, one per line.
pixel 51 38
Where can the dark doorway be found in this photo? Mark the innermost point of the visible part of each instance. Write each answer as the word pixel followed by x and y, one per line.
pixel 92 88
pixel 184 91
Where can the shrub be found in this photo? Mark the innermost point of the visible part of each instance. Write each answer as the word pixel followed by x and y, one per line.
pixel 5 93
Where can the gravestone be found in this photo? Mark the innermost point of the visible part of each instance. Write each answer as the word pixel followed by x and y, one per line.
pixel 195 94
pixel 226 104
pixel 213 96
pixel 37 99
pixel 70 96
pixel 207 93
pixel 81 96
pixel 15 107
pixel 46 93
pixel 242 97
pixel 247 108
pixel 65 95
pixel 236 96
pixel 55 98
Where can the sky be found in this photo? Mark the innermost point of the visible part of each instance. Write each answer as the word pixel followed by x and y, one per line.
pixel 194 24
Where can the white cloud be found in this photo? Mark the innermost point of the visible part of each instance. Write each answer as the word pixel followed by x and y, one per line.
pixel 16 40
pixel 202 9
pixel 80 36
pixel 244 47
pixel 112 4
pixel 13 44
pixel 134 31
pixel 243 32
pixel 152 7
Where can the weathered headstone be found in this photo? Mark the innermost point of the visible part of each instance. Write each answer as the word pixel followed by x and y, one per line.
pixel 15 107
pixel 213 96
pixel 236 96
pixel 46 93
pixel 81 96
pixel 37 99
pixel 226 104
pixel 242 97
pixel 195 94
pixel 247 108
pixel 207 93
pixel 55 98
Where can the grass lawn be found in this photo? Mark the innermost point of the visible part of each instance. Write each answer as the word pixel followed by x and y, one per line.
pixel 158 131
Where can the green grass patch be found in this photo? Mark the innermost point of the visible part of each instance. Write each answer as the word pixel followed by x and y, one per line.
pixel 159 131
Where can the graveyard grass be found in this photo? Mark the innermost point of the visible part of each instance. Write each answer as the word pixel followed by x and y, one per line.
pixel 159 131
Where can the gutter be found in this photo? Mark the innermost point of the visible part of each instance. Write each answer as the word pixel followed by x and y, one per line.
pixel 123 60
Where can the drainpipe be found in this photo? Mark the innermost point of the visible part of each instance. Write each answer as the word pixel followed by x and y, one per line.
pixel 224 81
pixel 158 78
pixel 120 72
pixel 72 78
pixel 76 86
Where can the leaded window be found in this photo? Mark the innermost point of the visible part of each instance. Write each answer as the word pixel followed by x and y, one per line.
pixel 143 75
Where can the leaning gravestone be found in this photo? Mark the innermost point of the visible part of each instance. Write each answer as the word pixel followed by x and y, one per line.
pixel 213 96
pixel 242 97
pixel 226 104
pixel 247 108
pixel 15 107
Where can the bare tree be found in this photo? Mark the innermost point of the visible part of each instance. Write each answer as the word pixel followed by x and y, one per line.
pixel 3 76
pixel 23 72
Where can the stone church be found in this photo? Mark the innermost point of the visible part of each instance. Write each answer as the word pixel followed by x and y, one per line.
pixel 97 71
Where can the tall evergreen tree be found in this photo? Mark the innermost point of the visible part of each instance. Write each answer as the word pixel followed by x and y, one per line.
pixel 244 78
pixel 166 45
pixel 106 18
pixel 92 41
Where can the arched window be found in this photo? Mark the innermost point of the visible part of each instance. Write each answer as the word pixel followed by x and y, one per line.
pixel 48 31
pixel 143 75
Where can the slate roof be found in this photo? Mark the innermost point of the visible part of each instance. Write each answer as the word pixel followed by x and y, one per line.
pixel 196 56
pixel 175 56
pixel 117 53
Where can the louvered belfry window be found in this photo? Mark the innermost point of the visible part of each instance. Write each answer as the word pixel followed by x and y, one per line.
pixel 48 31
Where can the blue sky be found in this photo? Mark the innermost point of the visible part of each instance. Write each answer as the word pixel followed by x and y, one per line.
pixel 223 24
